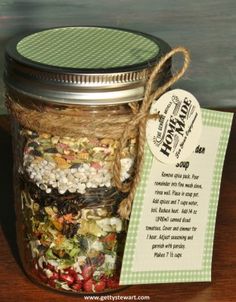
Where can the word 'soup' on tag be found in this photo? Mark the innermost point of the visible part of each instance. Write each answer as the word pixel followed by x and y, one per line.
pixel 174 209
pixel 174 135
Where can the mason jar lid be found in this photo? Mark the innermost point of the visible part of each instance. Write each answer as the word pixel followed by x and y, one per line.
pixel 84 65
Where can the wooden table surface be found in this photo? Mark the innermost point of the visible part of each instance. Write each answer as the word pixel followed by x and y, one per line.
pixel 14 285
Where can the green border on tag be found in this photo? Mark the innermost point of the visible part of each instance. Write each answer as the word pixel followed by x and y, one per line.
pixel 210 118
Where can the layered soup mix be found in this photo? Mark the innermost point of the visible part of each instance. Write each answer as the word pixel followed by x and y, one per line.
pixel 74 235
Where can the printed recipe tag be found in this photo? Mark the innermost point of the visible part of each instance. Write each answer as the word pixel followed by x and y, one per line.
pixel 171 229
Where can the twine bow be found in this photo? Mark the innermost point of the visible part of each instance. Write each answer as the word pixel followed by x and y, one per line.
pixel 139 120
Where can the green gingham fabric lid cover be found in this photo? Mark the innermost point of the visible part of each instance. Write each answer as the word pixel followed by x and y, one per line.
pixel 85 65
pixel 87 47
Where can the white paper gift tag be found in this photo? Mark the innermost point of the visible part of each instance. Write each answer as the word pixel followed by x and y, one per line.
pixel 174 135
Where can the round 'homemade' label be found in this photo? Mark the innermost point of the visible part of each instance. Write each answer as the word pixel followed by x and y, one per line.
pixel 174 135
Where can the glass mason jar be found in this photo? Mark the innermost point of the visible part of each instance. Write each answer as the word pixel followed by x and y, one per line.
pixel 71 92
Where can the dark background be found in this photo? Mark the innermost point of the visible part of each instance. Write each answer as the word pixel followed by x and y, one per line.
pixel 206 27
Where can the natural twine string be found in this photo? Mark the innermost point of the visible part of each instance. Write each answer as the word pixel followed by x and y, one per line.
pixel 69 122
pixel 122 127
pixel 139 121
